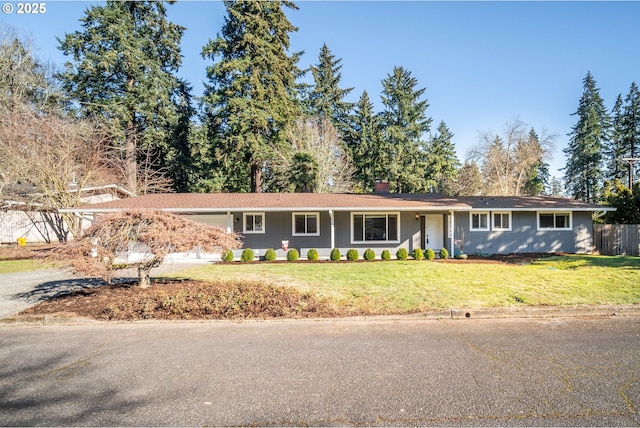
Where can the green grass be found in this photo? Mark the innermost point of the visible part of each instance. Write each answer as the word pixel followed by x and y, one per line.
pixel 12 266
pixel 413 286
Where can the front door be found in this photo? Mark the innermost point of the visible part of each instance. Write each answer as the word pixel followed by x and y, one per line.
pixel 432 232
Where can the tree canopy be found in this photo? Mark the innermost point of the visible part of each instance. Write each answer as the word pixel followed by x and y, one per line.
pixel 153 234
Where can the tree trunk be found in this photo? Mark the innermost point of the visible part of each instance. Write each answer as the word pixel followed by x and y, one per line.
pixel 144 277
pixel 256 177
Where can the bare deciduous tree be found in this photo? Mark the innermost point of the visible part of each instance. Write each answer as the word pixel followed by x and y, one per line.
pixel 507 160
pixel 314 159
pixel 153 233
pixel 55 156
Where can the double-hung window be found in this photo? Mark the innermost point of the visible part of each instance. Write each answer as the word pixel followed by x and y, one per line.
pixel 306 224
pixel 501 221
pixel 559 220
pixel 479 221
pixel 378 227
pixel 253 223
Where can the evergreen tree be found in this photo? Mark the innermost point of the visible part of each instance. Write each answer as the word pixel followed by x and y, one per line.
pixel 364 142
pixel 469 181
pixel 250 96
pixel 614 150
pixel 537 173
pixel 326 99
pixel 180 160
pixel 442 162
pixel 123 71
pixel 631 126
pixel 555 187
pixel 583 171
pixel 404 122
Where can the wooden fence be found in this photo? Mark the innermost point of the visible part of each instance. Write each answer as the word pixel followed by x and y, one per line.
pixel 617 239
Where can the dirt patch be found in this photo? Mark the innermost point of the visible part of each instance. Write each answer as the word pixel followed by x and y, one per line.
pixel 187 300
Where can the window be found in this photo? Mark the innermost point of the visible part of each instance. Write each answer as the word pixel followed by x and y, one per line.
pixel 375 227
pixel 479 221
pixel 501 221
pixel 554 221
pixel 306 224
pixel 254 223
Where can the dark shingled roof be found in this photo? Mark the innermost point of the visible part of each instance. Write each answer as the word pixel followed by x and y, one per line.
pixel 211 202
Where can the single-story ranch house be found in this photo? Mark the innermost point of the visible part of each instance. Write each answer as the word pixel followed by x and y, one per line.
pixel 382 220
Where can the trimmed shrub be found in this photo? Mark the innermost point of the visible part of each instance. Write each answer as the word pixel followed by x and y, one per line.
pixel 352 255
pixel 228 256
pixel 247 255
pixel 312 254
pixel 417 254
pixel 461 256
pixel 402 254
pixel 335 255
pixel 293 255
pixel 444 253
pixel 386 255
pixel 270 255
pixel 430 254
pixel 369 254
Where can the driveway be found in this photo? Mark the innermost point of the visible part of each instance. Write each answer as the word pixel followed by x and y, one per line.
pixel 21 290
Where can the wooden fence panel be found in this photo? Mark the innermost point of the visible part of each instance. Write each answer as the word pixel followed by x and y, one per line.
pixel 617 239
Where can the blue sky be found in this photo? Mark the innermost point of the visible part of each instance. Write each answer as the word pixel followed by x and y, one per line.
pixel 482 63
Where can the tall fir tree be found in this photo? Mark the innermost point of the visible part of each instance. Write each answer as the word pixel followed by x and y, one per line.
pixel 469 182
pixel 442 162
pixel 404 123
pixel 614 149
pixel 364 143
pixel 631 129
pixel 326 98
pixel 250 97
pixel 123 71
pixel 536 180
pixel 583 170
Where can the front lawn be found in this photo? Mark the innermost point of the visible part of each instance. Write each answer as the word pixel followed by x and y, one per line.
pixel 328 289
pixel 413 286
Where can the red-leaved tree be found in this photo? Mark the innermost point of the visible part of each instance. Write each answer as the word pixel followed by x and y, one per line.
pixel 152 233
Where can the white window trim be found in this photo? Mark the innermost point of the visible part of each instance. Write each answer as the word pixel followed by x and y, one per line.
pixel 493 224
pixel 396 213
pixel 306 214
pixel 569 213
pixel 244 222
pixel 481 229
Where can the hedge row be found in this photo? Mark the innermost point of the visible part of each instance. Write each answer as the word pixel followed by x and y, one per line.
pixel 248 254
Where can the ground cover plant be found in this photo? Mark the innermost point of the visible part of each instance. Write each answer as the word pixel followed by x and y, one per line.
pixel 345 289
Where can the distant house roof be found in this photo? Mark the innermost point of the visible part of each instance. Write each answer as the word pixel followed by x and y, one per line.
pixel 218 202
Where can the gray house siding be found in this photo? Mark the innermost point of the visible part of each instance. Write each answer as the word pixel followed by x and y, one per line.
pixel 278 227
pixel 524 236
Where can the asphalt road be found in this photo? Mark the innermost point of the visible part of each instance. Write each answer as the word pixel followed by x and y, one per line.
pixel 467 372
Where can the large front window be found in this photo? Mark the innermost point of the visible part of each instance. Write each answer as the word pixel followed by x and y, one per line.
pixel 375 227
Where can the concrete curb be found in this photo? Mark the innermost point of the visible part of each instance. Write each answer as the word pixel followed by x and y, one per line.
pixel 548 312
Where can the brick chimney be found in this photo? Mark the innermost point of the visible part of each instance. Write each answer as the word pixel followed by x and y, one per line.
pixel 380 186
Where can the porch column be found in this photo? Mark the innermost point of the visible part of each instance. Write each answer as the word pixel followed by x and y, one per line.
pixel 333 229
pixel 229 222
pixel 452 227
